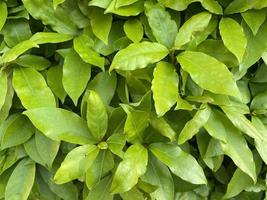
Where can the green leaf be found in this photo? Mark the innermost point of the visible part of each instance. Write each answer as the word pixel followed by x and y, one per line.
pixel 242 123
pixel 235 145
pixel 66 191
pixel 190 28
pixel 254 19
pixel 120 3
pixel 256 45
pixel 116 142
pixel 260 144
pixel 76 74
pixel 4 88
pixel 211 5
pixel 68 127
pixel 162 126
pixel 101 24
pixel 16 31
pixel 101 166
pixel 233 37
pixel 165 79
pixel 180 163
pixel 138 56
pixel 21 181
pixel 100 3
pixel 238 183
pixel 200 66
pixel 130 10
pixel 49 37
pixel 97 117
pixel 57 2
pixel 46 148
pixel 54 81
pixel 135 125
pixel 17 50
pixel 163 27
pixel 58 19
pixel 76 163
pixel 15 131
pixel 33 61
pixel 83 47
pixel 159 175
pixel 31 150
pixel 192 127
pixel 31 88
pixel 133 29
pixel 3 14
pixel 105 85
pixel 135 158
pixel 101 190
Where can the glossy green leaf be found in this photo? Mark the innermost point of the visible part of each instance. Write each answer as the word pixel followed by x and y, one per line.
pixel 135 125
pixel 46 148
pixel 165 79
pixel 101 24
pixel 82 46
pixel 135 158
pixel 31 150
pixel 239 182
pixel 58 19
pixel 31 88
pixel 50 37
pixel 233 37
pixel 57 2
pixel 4 87
pixel 33 61
pixel 68 126
pixel 97 117
pixel 133 29
pixel 16 31
pixel 192 127
pixel 15 131
pixel 17 50
pixel 21 181
pixel 242 123
pixel 130 10
pixel 138 56
pixel 254 19
pixel 235 145
pixel 163 127
pixel 158 174
pixel 200 66
pixel 101 190
pixel 66 191
pixel 116 142
pixel 101 166
pixel 120 3
pixel 76 74
pixel 3 15
pixel 76 163
pixel 54 81
pixel 180 163
pixel 210 5
pixel 190 28
pixel 260 144
pixel 255 47
pixel 163 27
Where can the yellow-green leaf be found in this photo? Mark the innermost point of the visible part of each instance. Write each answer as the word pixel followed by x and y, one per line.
pixel 233 37
pixel 130 169
pixel 165 79
pixel 31 88
pixel 208 73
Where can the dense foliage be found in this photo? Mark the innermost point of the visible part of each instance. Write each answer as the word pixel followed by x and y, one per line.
pixel 133 99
